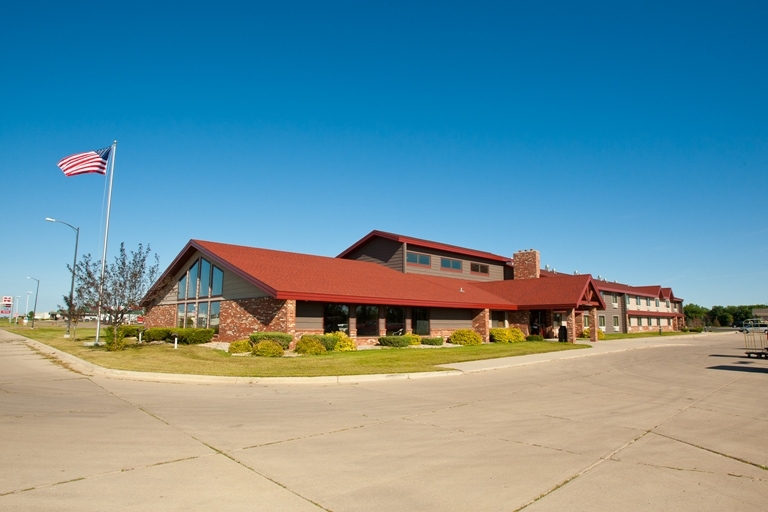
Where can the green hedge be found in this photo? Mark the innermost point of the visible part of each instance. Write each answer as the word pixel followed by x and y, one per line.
pixel 394 341
pixel 534 337
pixel 188 336
pixel 240 347
pixel 310 345
pixel 281 338
pixel 437 341
pixel 268 348
pixel 506 335
pixel 465 337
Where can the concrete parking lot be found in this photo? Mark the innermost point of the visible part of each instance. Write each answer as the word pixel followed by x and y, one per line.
pixel 679 427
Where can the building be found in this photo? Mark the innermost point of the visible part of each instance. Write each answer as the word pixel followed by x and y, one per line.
pixel 383 284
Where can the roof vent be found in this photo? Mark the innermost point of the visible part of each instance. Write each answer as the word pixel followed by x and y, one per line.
pixel 461 290
pixel 575 272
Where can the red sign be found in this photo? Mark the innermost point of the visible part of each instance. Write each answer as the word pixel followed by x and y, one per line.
pixel 5 311
pixel 7 299
pixel 139 319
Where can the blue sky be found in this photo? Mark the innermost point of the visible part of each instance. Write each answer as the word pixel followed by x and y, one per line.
pixel 628 141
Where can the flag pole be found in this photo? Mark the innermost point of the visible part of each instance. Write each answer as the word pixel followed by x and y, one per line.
pixel 106 237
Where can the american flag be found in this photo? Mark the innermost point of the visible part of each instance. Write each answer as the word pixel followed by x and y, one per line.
pixel 84 163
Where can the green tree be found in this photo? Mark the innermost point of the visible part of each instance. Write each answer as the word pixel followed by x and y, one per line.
pixel 126 281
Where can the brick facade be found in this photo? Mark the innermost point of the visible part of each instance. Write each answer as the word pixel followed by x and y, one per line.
pixel 481 323
pixel 241 317
pixel 527 264
pixel 520 319
pixel 160 316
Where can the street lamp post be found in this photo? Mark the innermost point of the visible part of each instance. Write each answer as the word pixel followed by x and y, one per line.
pixel 26 309
pixel 34 309
pixel 74 267
pixel 17 309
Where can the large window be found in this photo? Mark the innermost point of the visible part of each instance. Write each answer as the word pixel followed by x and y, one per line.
pixel 395 321
pixel 180 310
pixel 205 278
pixel 420 321
pixel 336 318
pixel 181 293
pixel 190 321
pixel 478 268
pixel 193 277
pixel 415 258
pixel 214 318
pixel 367 320
pixel 202 315
pixel 450 264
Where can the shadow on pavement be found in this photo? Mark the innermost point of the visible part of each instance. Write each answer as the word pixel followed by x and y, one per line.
pixel 748 369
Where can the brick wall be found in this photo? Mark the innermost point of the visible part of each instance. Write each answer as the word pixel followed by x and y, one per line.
pixel 241 317
pixel 520 319
pixel 527 264
pixel 481 322
pixel 160 316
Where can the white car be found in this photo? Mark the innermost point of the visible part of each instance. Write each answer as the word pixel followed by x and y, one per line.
pixel 755 325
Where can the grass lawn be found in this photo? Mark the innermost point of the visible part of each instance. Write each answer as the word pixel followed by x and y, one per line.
pixel 205 361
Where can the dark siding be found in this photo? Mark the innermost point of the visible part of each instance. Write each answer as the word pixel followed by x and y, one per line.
pixel 445 319
pixel 495 268
pixel 382 251
pixel 309 316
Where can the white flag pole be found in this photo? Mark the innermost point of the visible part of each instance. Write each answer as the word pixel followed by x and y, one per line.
pixel 106 236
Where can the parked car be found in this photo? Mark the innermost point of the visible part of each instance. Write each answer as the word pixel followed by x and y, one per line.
pixel 755 325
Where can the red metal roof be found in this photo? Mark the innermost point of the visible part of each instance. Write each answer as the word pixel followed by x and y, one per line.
pixel 560 291
pixel 424 243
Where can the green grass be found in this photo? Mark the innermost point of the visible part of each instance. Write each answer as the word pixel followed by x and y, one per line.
pixel 205 361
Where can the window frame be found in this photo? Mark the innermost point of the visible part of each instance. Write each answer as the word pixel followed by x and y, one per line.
pixel 480 267
pixel 451 262
pixel 418 256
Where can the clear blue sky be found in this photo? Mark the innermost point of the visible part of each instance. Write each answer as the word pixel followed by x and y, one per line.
pixel 625 139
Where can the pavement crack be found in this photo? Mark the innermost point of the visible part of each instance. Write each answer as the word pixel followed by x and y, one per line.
pixel 732 457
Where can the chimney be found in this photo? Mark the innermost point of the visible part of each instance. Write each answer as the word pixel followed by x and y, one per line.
pixel 527 264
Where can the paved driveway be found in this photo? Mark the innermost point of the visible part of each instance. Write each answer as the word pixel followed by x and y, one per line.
pixel 670 428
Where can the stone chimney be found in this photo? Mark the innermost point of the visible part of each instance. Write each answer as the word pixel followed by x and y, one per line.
pixel 527 264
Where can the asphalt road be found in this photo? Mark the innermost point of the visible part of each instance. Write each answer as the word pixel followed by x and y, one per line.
pixel 669 428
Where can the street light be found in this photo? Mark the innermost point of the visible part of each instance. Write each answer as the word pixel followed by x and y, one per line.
pixel 74 267
pixel 17 309
pixel 34 310
pixel 26 309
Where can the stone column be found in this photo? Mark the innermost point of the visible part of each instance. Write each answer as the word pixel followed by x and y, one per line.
pixel 409 320
pixel 382 320
pixel 593 324
pixel 481 323
pixel 571 324
pixel 290 317
pixel 352 320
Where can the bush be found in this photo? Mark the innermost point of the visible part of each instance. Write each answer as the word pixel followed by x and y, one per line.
pixel 343 342
pixel 114 342
pixel 157 334
pixel 413 339
pixel 192 336
pixel 281 338
pixel 600 334
pixel 506 335
pixel 534 337
pixel 394 341
pixel 268 348
pixel 437 341
pixel 310 345
pixel 465 337
pixel 240 347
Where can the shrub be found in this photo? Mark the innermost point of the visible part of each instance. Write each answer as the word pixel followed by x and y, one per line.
pixel 281 338
pixel 268 348
pixel 600 334
pixel 465 337
pixel 506 335
pixel 413 339
pixel 240 347
pixel 343 342
pixel 394 341
pixel 534 337
pixel 192 336
pixel 310 346
pixel 437 341
pixel 157 334
pixel 112 341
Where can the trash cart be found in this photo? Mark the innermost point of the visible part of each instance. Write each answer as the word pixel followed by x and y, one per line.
pixel 755 339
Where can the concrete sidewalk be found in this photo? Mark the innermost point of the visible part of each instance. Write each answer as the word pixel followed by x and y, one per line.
pixel 455 369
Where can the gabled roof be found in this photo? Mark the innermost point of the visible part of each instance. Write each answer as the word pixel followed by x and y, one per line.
pixel 472 253
pixel 288 275
pixel 561 291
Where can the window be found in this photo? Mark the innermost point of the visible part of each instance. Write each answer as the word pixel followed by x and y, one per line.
pixel 648 301
pixel 180 309
pixel 667 303
pixel 657 302
pixel 192 288
pixel 414 258
pixel 616 321
pixel 214 318
pixel 637 300
pixel 614 299
pixel 626 297
pixel 181 294
pixel 639 322
pixel 420 321
pixel 478 268
pixel 601 320
pixel 336 318
pixel 586 320
pixel 205 278
pixel 367 320
pixel 190 320
pixel 202 315
pixel 217 282
pixel 650 321
pixel 395 321
pixel 450 264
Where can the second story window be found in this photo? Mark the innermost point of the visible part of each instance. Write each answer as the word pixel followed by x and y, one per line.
pixel 450 264
pixel 414 258
pixel 478 268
